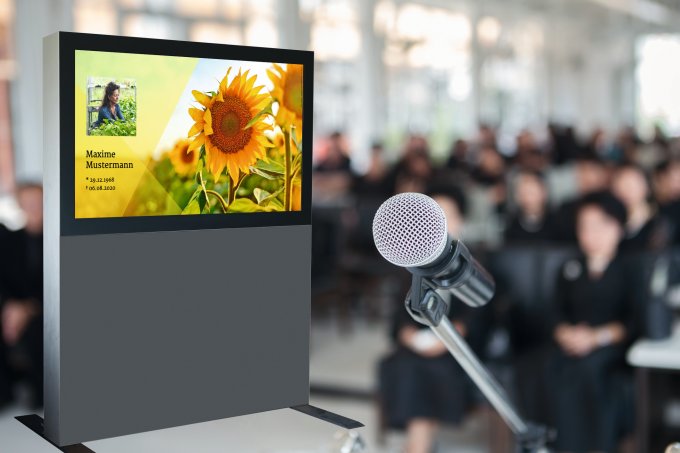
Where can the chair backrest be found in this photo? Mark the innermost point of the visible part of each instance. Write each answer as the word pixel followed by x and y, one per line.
pixel 526 276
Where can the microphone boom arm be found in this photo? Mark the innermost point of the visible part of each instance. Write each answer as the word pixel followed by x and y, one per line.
pixel 428 308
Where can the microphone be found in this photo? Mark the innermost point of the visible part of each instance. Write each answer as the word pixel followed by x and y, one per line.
pixel 409 230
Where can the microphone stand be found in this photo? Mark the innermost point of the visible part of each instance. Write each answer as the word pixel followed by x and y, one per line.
pixel 428 308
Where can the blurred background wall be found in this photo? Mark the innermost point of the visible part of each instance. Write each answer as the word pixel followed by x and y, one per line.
pixel 387 68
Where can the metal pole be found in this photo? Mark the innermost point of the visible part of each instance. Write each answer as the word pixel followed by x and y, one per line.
pixel 481 377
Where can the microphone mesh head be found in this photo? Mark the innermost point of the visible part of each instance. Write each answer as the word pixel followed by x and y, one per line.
pixel 409 230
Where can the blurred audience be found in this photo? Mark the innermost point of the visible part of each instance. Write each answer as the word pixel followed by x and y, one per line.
pixel 625 201
pixel 21 296
pixel 606 199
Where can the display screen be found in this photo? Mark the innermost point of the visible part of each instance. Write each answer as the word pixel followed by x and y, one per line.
pixel 159 135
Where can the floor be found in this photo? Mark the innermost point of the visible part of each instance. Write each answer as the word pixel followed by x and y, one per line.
pixel 340 358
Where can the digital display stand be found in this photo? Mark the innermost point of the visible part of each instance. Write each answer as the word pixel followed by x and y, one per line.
pixel 177 181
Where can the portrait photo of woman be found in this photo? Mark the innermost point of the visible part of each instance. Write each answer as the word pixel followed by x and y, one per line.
pixel 111 106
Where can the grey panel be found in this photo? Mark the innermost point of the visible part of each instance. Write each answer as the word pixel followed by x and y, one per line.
pixel 169 328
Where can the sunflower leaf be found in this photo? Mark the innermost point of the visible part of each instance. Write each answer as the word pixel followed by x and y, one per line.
pixel 263 197
pixel 194 206
pixel 271 166
pixel 260 195
pixel 272 198
pixel 265 111
pixel 276 204
pixel 262 173
pixel 297 161
pixel 202 201
pixel 199 172
pixel 293 135
pixel 247 205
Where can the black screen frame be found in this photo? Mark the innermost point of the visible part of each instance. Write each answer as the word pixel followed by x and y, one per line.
pixel 69 43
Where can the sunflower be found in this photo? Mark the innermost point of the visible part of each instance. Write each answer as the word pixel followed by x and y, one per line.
pixel 288 92
pixel 221 125
pixel 183 159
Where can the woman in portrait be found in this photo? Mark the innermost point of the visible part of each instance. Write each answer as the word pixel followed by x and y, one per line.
pixel 110 110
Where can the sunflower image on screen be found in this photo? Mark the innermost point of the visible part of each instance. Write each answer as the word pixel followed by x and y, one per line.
pixel 224 136
pixel 111 107
pixel 244 146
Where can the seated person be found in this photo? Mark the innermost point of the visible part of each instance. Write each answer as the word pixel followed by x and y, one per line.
pixel 110 109
pixel 421 384
pixel 645 228
pixel 21 293
pixel 595 320
pixel 532 221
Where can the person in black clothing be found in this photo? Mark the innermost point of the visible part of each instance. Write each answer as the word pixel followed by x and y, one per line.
pixel 645 229
pixel 336 158
pixel 459 156
pixel 532 221
pixel 21 295
pixel 421 384
pixel 666 183
pixel 373 182
pixel 591 176
pixel 594 321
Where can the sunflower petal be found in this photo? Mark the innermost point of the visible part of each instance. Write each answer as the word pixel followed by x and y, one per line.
pixel 202 98
pixel 196 114
pixel 207 117
pixel 264 142
pixel 216 170
pixel 223 83
pixel 248 87
pixel 235 81
pixel 195 129
pixel 232 168
pixel 196 143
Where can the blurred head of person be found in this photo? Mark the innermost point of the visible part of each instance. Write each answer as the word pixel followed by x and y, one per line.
pixel 660 137
pixel 490 167
pixel 415 167
pixel 666 181
pixel 486 136
pixel 625 146
pixel 591 175
pixel 416 144
pixel 531 194
pixel 452 201
pixel 30 200
pixel 526 142
pixel 597 140
pixel 459 150
pixel 337 145
pixel 631 186
pixel 600 224
pixel 377 166
pixel 414 174
pixel 111 95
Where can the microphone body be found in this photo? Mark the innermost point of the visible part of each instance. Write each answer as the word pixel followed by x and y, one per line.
pixel 457 270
